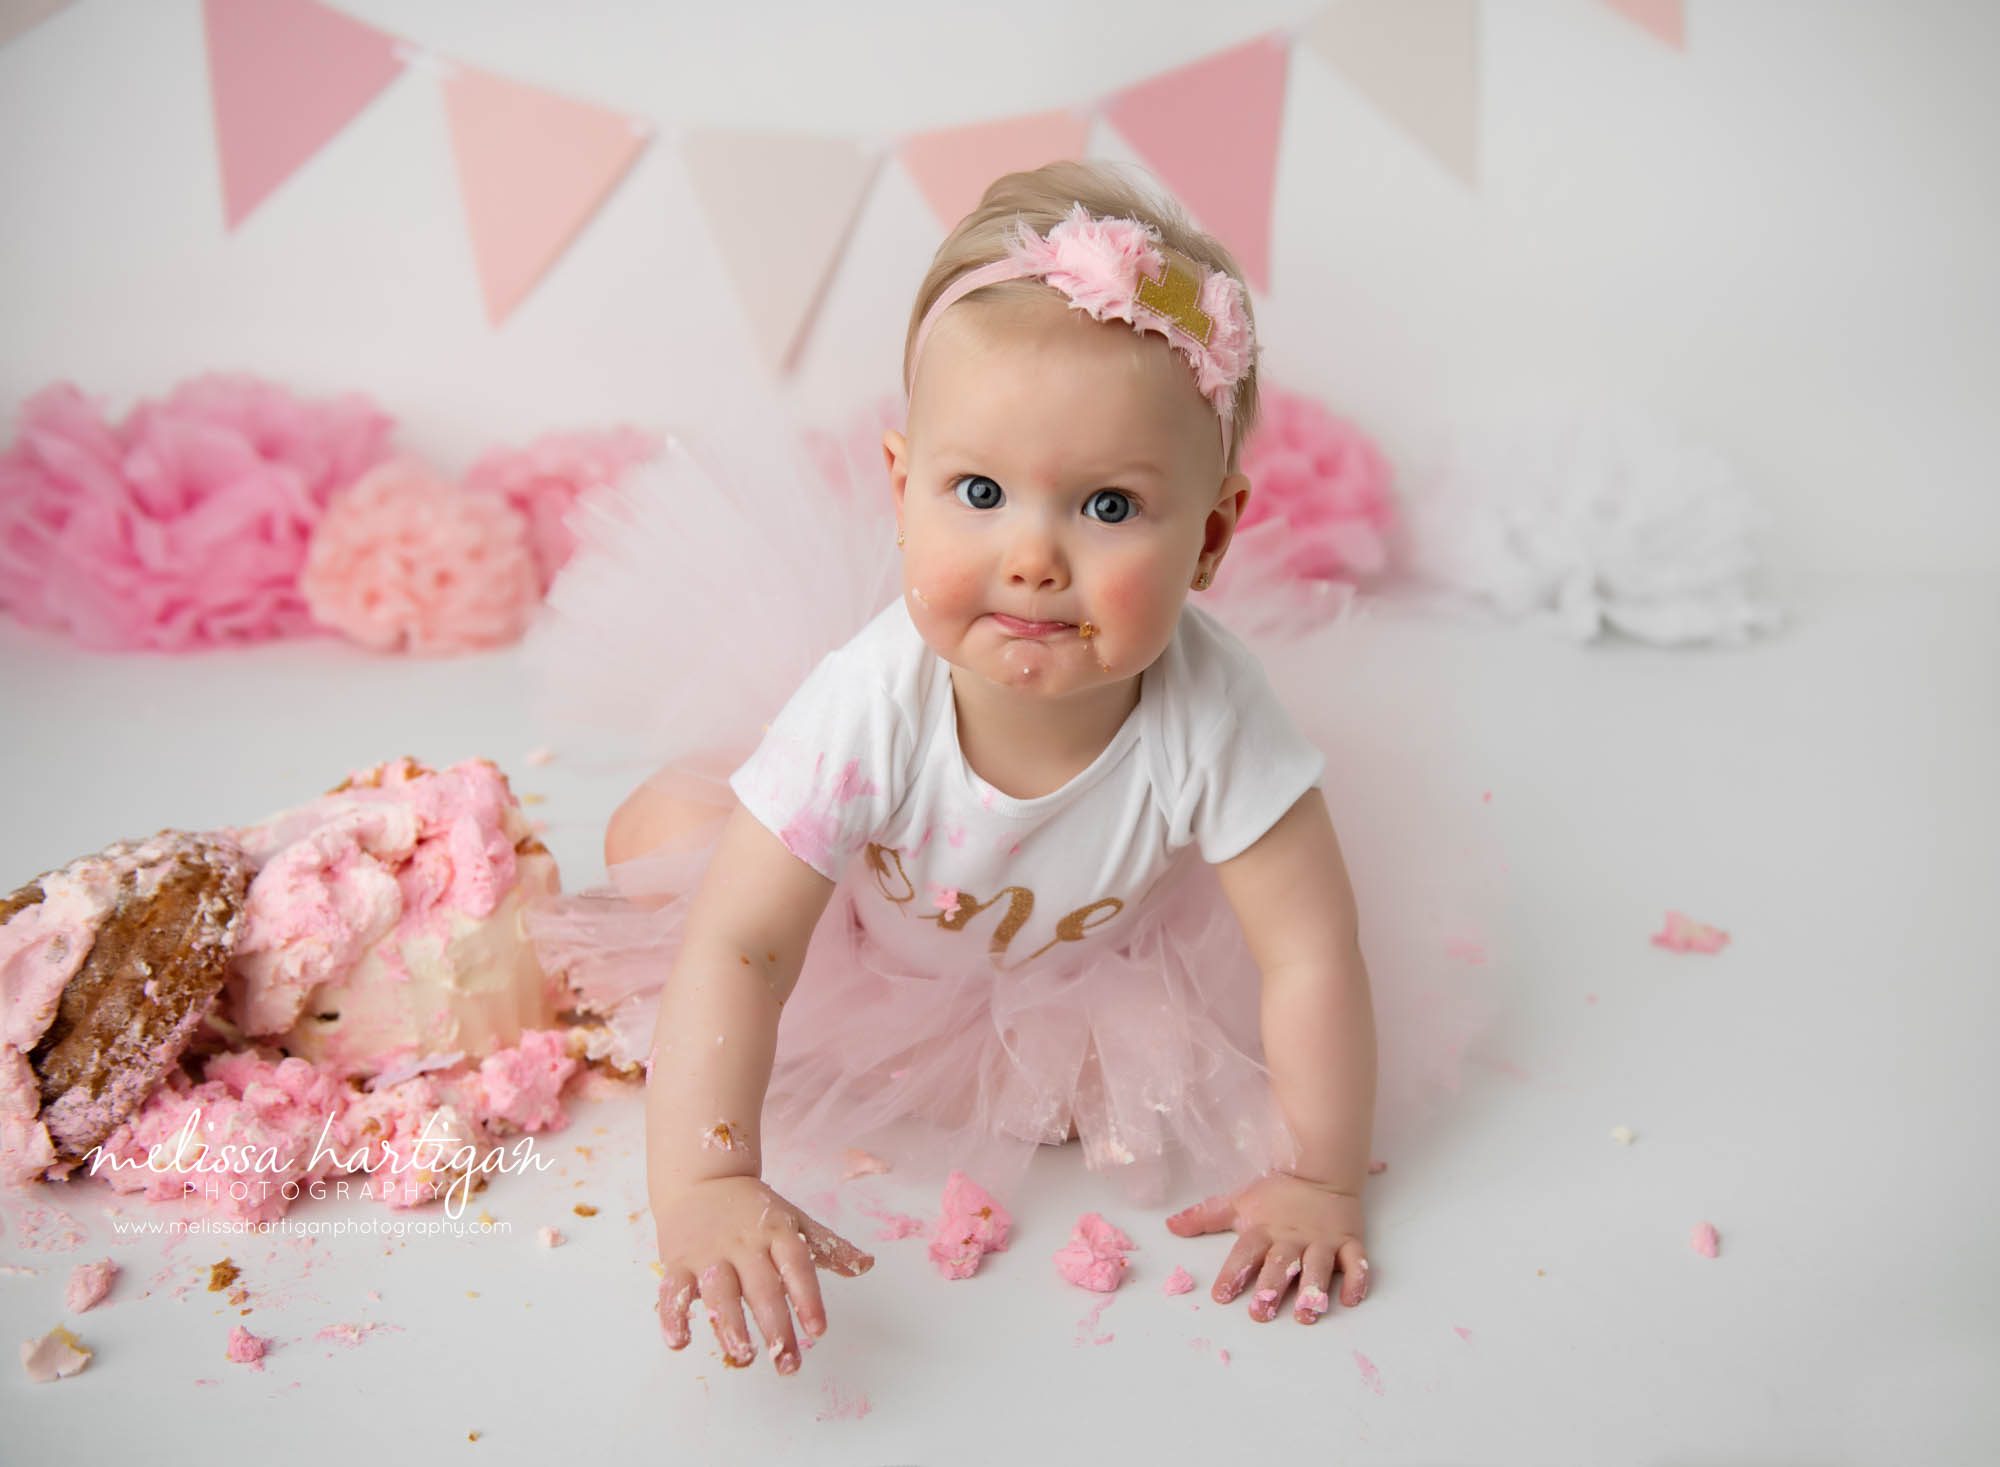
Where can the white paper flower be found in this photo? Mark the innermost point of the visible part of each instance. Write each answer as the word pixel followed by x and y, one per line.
pixel 1607 522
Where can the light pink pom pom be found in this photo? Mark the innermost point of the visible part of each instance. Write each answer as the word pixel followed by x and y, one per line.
pixel 1326 481
pixel 404 560
pixel 544 479
pixel 185 526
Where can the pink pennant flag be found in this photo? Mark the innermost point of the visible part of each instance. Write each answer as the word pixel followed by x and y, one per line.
pixel 532 169
pixel 1210 130
pixel 17 16
pixel 952 167
pixel 1666 19
pixel 781 206
pixel 1417 64
pixel 284 76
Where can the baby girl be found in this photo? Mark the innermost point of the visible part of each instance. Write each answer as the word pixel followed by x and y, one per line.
pixel 1037 852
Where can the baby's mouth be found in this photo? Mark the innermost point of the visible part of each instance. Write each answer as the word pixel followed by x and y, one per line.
pixel 1017 627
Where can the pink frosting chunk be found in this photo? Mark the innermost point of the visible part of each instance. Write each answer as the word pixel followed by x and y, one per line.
pixel 971 1225
pixel 1180 1281
pixel 88 1284
pixel 246 1348
pixel 522 1087
pixel 1094 1257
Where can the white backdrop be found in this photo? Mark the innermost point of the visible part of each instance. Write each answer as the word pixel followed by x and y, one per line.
pixel 1781 240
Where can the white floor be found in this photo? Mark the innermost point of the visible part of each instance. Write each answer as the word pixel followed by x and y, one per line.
pixel 1821 1091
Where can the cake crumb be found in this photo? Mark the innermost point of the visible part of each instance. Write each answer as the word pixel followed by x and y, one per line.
pixel 57 1355
pixel 1622 1135
pixel 1371 1375
pixel 838 1407
pixel 584 1209
pixel 221 1275
pixel 1705 1240
pixel 247 1349
pixel 1682 934
pixel 861 1163
pixel 88 1284
pixel 550 1238
pixel 539 755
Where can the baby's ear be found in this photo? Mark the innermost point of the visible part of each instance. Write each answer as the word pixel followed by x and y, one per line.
pixel 896 454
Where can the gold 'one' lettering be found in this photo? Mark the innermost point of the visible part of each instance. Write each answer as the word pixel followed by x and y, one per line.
pixel 885 864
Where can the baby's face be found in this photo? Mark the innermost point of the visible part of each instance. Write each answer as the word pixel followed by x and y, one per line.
pixel 1058 470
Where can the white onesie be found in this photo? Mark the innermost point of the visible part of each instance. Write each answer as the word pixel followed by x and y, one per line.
pixel 861 776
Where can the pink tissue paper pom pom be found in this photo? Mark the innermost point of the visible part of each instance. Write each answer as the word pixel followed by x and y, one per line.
pixel 185 526
pixel 1324 482
pixel 544 479
pixel 850 458
pixel 405 560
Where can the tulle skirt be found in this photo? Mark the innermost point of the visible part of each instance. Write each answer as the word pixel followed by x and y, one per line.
pixel 1149 1049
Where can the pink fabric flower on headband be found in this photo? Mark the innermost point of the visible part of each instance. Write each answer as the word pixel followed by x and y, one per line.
pixel 1117 270
pixel 1105 267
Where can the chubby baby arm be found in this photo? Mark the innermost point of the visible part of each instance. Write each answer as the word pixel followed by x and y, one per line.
pixel 1291 892
pixel 723 1235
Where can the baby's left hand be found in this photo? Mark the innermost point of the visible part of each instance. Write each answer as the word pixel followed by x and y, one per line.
pixel 1287 1228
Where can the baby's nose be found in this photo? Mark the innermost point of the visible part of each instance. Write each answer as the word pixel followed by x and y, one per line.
pixel 1035 559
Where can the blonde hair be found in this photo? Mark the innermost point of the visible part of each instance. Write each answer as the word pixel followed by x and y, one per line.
pixel 1041 198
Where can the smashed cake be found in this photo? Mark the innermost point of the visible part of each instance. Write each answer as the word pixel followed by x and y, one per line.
pixel 342 985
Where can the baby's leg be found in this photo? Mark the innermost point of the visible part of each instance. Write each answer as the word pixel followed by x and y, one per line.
pixel 673 807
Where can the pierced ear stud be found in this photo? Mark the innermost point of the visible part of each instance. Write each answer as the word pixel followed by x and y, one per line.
pixel 1201 581
pixel 899 537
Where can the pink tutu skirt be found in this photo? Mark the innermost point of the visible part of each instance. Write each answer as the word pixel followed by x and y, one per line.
pixel 1150 1049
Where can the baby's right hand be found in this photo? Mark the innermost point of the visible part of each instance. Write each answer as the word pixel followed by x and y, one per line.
pixel 731 1238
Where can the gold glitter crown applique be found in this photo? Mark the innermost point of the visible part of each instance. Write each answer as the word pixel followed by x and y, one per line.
pixel 1176 296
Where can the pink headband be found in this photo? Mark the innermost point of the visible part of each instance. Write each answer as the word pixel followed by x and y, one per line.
pixel 1117 270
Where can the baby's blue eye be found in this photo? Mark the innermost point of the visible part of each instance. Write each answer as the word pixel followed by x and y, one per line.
pixel 1113 506
pixel 987 496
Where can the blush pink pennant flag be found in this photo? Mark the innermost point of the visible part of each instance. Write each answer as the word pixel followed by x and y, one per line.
pixel 780 207
pixel 1210 130
pixel 17 16
pixel 1665 19
pixel 533 168
pixel 284 76
pixel 953 166
pixel 1418 65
